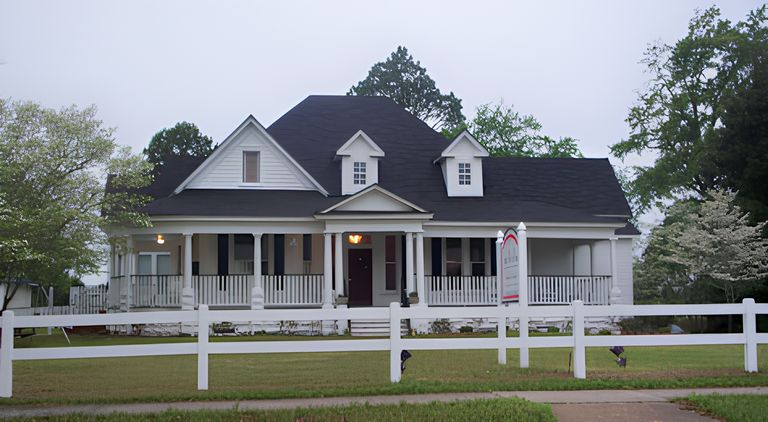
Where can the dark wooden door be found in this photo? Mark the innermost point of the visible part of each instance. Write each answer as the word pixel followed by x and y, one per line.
pixel 360 272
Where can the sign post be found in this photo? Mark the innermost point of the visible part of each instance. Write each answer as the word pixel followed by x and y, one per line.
pixel 512 268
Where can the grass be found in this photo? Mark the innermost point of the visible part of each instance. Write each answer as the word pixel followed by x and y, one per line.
pixel 512 409
pixel 732 408
pixel 237 377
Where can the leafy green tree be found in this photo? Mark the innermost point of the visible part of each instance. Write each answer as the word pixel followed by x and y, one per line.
pixel 677 115
pixel 742 142
pixel 506 133
pixel 53 204
pixel 183 139
pixel 406 82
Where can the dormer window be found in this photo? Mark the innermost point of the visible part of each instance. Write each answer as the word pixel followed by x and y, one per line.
pixel 251 167
pixel 358 173
pixel 465 174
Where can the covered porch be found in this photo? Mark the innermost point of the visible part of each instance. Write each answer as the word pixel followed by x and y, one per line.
pixel 374 268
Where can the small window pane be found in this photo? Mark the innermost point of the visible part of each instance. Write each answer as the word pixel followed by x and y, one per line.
pixel 478 268
pixel 358 173
pixel 476 250
pixel 465 174
pixel 453 268
pixel 453 249
pixel 251 166
pixel 164 265
pixel 145 265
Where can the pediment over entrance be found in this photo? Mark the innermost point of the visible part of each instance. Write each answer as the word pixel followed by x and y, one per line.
pixel 374 199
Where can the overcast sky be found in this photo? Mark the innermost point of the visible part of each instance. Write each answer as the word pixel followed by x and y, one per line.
pixel 149 64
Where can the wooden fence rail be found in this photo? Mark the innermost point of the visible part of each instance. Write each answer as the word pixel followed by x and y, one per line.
pixel 203 318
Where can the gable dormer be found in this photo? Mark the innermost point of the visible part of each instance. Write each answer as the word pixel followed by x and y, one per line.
pixel 359 163
pixel 462 165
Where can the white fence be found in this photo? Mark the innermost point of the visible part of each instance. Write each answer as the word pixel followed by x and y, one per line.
pixel 562 290
pixel 88 299
pixel 293 289
pixel 462 290
pixel 203 318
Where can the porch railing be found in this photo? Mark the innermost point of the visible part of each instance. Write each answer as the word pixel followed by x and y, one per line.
pixel 219 290
pixel 156 291
pixel 561 290
pixel 461 290
pixel 293 289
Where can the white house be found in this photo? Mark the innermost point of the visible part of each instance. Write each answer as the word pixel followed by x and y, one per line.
pixel 354 197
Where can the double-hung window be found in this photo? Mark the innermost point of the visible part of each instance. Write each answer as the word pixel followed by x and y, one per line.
pixel 358 172
pixel 465 174
pixel 251 167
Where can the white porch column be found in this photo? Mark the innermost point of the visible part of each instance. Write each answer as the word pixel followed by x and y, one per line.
pixel 420 288
pixel 327 271
pixel 615 298
pixel 409 263
pixel 338 265
pixel 127 272
pixel 257 291
pixel 187 293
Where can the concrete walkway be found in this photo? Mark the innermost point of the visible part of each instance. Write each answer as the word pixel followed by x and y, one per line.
pixel 560 400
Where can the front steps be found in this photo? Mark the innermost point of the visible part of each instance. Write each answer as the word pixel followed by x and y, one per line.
pixel 374 328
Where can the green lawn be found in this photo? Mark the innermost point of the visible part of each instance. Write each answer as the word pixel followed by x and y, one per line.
pixel 253 376
pixel 732 408
pixel 511 409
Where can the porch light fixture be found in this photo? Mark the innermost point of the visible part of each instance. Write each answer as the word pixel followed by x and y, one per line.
pixel 355 238
pixel 160 239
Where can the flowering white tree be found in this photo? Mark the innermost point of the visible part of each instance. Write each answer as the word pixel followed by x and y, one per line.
pixel 714 242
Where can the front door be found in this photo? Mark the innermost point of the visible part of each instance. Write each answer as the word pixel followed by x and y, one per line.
pixel 360 271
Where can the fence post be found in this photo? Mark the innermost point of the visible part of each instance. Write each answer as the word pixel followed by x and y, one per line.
pixel 202 347
pixel 523 323
pixel 579 351
pixel 750 336
pixel 395 347
pixel 502 333
pixel 6 355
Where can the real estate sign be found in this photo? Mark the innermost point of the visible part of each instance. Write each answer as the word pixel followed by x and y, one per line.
pixel 510 267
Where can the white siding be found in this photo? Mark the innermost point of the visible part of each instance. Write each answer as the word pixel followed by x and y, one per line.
pixel 624 262
pixel 550 256
pixel 374 201
pixel 226 170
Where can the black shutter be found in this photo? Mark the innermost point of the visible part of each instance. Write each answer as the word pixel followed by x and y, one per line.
pixel 437 256
pixel 493 256
pixel 223 247
pixel 279 254
pixel 306 244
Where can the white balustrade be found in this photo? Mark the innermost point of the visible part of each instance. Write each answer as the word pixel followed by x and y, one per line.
pixel 560 290
pixel 222 290
pixel 293 289
pixel 461 290
pixel 156 291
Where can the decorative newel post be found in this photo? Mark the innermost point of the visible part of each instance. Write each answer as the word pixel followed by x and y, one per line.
pixel 187 292
pixel 257 290
pixel 615 297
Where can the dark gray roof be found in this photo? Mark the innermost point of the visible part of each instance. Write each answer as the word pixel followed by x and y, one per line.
pixel 515 189
pixel 628 230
